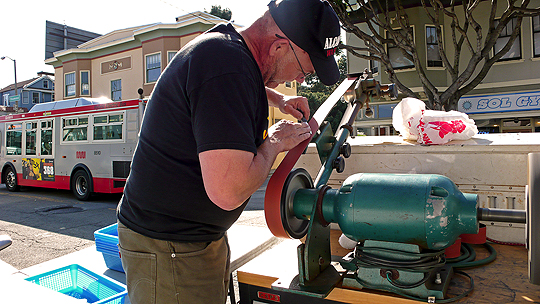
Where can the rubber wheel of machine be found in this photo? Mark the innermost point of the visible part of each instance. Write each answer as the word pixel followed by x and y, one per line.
pixel 298 178
pixel 81 185
pixel 272 197
pixel 10 178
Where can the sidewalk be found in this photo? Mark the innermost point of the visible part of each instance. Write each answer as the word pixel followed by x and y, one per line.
pixel 248 238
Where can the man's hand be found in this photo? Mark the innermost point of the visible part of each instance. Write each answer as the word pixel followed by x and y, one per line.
pixel 231 176
pixel 296 106
pixel 285 135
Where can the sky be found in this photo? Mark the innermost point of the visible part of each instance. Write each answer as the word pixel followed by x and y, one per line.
pixel 22 24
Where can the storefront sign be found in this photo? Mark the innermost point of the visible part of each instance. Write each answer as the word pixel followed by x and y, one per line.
pixel 500 103
pixel 115 65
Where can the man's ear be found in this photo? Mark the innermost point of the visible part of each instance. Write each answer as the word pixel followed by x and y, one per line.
pixel 279 47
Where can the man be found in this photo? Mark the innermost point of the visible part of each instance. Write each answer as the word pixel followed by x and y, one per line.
pixel 204 147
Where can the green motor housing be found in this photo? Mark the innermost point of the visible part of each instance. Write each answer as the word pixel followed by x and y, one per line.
pixel 427 210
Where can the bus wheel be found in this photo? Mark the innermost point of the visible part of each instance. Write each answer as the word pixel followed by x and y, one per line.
pixel 81 185
pixel 11 180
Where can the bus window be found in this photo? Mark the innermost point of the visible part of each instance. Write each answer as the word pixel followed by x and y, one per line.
pixel 31 129
pixel 14 139
pixel 47 137
pixel 108 126
pixel 75 129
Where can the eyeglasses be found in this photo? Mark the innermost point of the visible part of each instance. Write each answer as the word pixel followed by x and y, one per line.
pixel 302 69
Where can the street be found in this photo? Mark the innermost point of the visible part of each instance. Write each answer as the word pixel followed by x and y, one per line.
pixel 45 224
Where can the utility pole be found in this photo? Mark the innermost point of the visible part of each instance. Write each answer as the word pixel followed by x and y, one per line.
pixel 16 106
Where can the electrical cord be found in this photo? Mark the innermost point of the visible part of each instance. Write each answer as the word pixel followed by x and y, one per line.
pixel 371 257
pixel 424 262
pixel 467 259
pixel 399 285
pixel 461 296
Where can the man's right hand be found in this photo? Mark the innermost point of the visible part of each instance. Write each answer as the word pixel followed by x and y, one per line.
pixel 286 134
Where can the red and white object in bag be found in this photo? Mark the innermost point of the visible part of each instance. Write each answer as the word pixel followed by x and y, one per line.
pixel 411 119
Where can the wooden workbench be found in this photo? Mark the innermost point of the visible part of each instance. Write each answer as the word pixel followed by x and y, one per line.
pixel 503 281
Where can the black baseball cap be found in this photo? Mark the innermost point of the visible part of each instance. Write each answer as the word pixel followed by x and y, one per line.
pixel 314 27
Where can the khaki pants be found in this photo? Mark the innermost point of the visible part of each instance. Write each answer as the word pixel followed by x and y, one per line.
pixel 172 272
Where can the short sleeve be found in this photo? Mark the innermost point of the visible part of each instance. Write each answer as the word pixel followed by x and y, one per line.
pixel 224 113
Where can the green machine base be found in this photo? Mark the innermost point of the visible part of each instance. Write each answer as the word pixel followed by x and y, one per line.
pixel 385 270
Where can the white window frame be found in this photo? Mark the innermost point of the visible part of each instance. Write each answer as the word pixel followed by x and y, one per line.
pixel 89 87
pixel 517 41
pixel 146 67
pixel 535 51
pixel 33 128
pixel 112 92
pixel 74 84
pixel 78 125
pixel 169 57
pixel 8 129
pixel 437 47
pixel 108 114
pixel 405 67
pixel 41 130
pixel 38 98
pixel 45 83
pixel 25 97
pixel 374 67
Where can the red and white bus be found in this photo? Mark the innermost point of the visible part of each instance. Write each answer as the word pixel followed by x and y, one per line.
pixel 84 145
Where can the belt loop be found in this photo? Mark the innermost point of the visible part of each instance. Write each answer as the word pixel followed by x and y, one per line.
pixel 171 249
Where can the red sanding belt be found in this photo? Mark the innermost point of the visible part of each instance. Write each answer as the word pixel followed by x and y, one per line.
pixel 272 198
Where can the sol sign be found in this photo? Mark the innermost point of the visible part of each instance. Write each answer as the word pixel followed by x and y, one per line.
pixel 500 103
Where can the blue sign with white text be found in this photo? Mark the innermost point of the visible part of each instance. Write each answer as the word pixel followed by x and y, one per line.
pixel 500 103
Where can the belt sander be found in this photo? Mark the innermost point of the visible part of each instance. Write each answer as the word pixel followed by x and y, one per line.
pixel 401 222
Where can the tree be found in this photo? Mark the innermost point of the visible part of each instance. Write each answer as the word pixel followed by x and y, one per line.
pixel 466 32
pixel 317 93
pixel 217 11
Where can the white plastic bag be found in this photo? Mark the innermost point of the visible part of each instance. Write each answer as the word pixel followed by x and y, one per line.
pixel 429 127
pixel 406 114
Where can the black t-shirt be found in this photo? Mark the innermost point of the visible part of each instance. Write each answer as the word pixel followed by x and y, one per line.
pixel 210 96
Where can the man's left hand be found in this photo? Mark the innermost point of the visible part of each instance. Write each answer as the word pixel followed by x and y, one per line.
pixel 297 106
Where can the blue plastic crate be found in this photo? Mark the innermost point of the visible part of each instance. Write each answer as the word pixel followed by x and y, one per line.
pixel 107 243
pixel 107 235
pixel 81 283
pixel 113 261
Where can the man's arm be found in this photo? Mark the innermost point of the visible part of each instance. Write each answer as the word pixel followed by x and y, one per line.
pixel 297 106
pixel 231 176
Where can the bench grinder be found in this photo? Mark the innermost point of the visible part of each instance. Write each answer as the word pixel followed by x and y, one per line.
pixel 402 222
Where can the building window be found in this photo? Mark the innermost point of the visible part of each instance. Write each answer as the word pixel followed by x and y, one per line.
pixel 25 97
pixel 515 50
pixel 69 83
pixel 170 56
pixel 536 35
pixel 85 83
pixel 6 100
pixel 397 59
pixel 45 84
pixel 432 47
pixel 35 97
pixel 116 89
pixel 153 67
pixel 374 66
